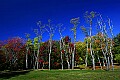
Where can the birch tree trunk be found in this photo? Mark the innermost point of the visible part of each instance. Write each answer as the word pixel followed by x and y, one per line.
pixel 99 62
pixel 27 58
pixel 93 60
pixel 111 55
pixel 111 59
pixel 111 31
pixel 73 55
pixel 34 60
pixel 50 51
pixel 38 56
pixel 107 54
pixel 50 54
pixel 75 22
pixel 61 41
pixel 86 55
pixel 39 34
pixel 51 33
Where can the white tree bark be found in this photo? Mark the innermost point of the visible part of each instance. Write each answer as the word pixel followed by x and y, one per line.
pixel 39 34
pixel 34 62
pixel 75 22
pixel 51 32
pixel 86 57
pixel 61 42
pixel 91 51
pixel 38 56
pixel 50 51
pixel 111 31
pixel 27 58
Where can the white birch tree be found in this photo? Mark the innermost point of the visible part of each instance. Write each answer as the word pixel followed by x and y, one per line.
pixel 85 31
pixel 111 42
pixel 27 48
pixel 75 22
pixel 50 30
pixel 107 52
pixel 39 33
pixel 61 42
pixel 89 18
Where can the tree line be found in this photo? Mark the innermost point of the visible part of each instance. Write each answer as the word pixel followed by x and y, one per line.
pixel 100 49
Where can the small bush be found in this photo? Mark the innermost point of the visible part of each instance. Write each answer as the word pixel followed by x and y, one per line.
pixel 117 58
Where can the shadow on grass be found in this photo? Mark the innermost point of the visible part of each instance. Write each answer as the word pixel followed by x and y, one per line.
pixel 7 75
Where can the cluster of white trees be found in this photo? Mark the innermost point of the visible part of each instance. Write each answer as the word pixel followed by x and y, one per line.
pixel 104 44
pixel 103 38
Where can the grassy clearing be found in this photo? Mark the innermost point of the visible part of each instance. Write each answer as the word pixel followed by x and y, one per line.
pixel 67 75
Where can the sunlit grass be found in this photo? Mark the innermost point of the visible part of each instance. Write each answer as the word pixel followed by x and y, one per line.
pixel 68 75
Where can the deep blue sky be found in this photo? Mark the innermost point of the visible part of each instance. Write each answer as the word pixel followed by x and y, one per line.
pixel 18 17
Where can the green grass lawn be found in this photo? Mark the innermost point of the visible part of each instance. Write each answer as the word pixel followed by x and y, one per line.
pixel 66 75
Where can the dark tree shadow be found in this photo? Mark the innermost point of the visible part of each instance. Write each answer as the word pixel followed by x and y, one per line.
pixel 7 75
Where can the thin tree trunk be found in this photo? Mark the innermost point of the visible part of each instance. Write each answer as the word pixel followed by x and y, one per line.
pixel 104 57
pixel 34 60
pixel 111 55
pixel 112 61
pixel 75 22
pixel 38 56
pixel 73 59
pixel 70 52
pixel 73 54
pixel 108 62
pixel 86 55
pixel 62 60
pixel 103 62
pixel 49 61
pixel 107 68
pixel 68 62
pixel 99 62
pixel 61 52
pixel 27 59
pixel 67 55
pixel 111 31
pixel 50 51
pixel 93 60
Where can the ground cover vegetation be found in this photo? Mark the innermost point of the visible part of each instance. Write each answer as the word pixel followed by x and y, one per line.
pixel 64 75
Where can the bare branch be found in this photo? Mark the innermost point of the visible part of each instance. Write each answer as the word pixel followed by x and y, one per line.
pixel 27 35
pixel 84 30
pixel 60 29
pixel 75 21
pixel 111 26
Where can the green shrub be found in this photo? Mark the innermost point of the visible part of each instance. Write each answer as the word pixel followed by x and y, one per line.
pixel 117 57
